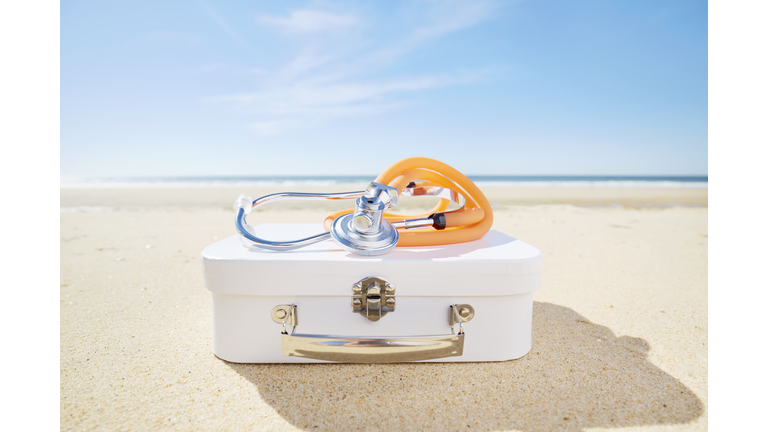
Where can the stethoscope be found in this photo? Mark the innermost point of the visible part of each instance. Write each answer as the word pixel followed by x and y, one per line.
pixel 369 229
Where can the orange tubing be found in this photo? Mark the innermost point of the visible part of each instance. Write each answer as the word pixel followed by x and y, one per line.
pixel 465 224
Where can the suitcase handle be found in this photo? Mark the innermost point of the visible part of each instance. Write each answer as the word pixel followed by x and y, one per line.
pixel 374 349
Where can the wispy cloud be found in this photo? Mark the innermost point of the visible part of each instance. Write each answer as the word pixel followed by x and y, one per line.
pixel 224 25
pixel 293 98
pixel 445 16
pixel 272 127
pixel 167 36
pixel 306 21
pixel 327 76
pixel 319 102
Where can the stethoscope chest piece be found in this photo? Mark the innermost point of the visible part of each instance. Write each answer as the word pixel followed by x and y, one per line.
pixel 365 231
pixel 345 234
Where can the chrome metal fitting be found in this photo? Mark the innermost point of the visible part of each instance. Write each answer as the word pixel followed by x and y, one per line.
pixel 365 231
pixel 373 297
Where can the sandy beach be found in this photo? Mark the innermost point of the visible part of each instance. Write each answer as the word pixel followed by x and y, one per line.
pixel 619 332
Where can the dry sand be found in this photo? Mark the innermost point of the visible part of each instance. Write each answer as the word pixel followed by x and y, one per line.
pixel 619 339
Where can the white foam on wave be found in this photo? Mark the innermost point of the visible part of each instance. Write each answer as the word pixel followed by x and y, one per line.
pixel 633 184
pixel 198 184
pixel 620 184
pixel 87 209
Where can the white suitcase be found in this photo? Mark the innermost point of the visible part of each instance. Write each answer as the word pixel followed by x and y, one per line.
pixel 321 303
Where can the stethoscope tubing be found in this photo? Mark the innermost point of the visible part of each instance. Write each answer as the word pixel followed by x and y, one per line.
pixel 286 245
pixel 415 176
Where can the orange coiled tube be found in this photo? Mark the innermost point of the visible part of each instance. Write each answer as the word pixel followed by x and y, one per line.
pixel 465 224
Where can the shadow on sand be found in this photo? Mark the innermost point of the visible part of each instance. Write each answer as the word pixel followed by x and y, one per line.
pixel 569 381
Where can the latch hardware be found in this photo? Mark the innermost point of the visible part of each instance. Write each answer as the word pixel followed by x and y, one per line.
pixel 373 297
pixel 285 314
pixel 459 314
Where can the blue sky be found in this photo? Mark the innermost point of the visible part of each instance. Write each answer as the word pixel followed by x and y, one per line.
pixel 255 88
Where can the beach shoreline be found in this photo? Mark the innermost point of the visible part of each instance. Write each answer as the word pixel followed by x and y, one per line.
pixel 223 197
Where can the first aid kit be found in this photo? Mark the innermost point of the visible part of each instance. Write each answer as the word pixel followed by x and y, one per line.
pixel 374 286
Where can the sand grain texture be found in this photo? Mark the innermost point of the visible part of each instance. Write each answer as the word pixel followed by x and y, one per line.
pixel 620 330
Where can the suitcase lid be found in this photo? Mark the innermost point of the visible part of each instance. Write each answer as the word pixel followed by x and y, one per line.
pixel 496 264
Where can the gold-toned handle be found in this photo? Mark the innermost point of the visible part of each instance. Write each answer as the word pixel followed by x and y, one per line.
pixel 372 349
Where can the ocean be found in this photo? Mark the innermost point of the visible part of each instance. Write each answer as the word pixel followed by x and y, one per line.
pixel 664 182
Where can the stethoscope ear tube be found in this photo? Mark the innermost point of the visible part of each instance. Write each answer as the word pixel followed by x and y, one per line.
pixel 244 205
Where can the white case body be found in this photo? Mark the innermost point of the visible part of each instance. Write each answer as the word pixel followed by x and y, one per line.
pixel 496 275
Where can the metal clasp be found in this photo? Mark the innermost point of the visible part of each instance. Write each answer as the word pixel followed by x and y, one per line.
pixel 460 313
pixel 373 297
pixel 286 314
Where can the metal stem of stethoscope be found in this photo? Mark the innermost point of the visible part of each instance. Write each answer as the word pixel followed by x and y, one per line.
pixel 362 232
